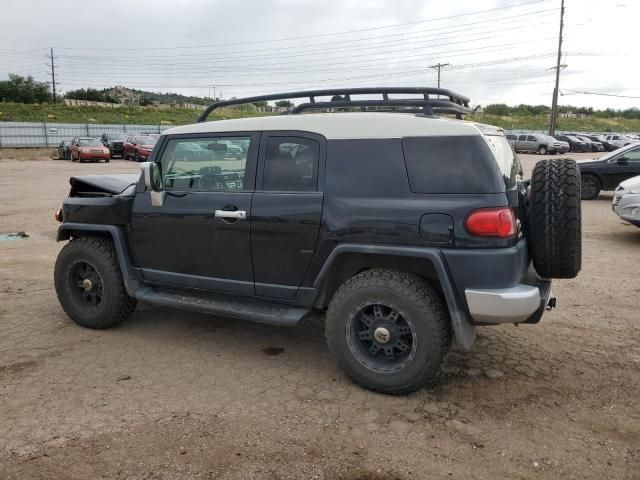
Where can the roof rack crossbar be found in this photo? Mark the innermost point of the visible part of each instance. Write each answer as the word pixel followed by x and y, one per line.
pixel 455 103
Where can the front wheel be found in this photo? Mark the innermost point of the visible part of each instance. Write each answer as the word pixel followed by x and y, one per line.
pixel 389 330
pixel 589 187
pixel 89 283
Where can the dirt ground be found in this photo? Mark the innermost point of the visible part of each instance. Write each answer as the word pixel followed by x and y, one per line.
pixel 173 395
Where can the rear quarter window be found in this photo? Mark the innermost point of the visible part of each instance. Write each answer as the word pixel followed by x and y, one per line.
pixel 455 164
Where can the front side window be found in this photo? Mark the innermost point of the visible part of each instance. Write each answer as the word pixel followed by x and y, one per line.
pixel 208 164
pixel 291 165
pixel 531 139
pixel 633 155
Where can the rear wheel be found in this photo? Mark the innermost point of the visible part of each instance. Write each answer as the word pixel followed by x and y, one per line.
pixel 555 231
pixel 89 283
pixel 542 150
pixel 389 331
pixel 136 156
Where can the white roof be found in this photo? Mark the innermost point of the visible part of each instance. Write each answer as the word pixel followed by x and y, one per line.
pixel 343 125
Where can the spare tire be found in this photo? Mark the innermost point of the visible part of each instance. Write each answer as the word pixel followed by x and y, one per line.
pixel 555 223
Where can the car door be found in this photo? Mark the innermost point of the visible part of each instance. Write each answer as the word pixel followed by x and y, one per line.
pixel 532 143
pixel 286 211
pixel 621 167
pixel 521 143
pixel 199 237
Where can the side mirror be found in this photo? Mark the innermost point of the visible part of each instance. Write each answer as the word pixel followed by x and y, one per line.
pixel 151 175
pixel 152 181
pixel 622 161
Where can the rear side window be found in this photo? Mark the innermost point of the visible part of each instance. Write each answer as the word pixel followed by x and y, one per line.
pixel 456 164
pixel 291 165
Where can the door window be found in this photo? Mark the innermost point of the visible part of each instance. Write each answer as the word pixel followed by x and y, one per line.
pixel 291 164
pixel 633 155
pixel 205 164
pixel 522 138
pixel 531 139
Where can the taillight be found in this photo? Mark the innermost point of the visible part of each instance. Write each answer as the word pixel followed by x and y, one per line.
pixel 58 215
pixel 492 222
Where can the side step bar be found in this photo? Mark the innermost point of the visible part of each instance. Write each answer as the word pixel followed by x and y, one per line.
pixel 224 305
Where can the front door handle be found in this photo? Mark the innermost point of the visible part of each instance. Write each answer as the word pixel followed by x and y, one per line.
pixel 231 214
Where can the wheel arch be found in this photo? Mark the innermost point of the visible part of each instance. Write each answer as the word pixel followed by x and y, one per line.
pixel 348 260
pixel 69 230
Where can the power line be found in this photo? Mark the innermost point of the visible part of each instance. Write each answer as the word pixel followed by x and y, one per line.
pixel 353 65
pixel 345 32
pixel 282 51
pixel 576 92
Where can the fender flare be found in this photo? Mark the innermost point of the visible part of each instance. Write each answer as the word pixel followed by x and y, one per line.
pixel 130 274
pixel 463 329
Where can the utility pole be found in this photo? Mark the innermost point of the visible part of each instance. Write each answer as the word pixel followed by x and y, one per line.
pixel 554 103
pixel 53 75
pixel 438 66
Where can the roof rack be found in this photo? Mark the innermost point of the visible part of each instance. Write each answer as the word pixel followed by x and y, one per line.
pixel 453 103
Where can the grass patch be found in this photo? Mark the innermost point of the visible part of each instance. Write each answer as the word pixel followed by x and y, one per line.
pixel 58 113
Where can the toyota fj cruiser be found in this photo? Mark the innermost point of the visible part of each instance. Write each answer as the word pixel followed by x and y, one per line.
pixel 405 228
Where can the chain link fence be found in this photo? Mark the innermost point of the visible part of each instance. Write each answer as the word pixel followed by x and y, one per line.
pixel 45 134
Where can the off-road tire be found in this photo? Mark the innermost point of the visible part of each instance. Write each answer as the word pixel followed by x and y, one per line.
pixel 589 187
pixel 555 233
pixel 417 300
pixel 115 306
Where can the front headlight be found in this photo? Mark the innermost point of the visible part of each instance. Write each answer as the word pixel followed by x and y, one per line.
pixel 105 150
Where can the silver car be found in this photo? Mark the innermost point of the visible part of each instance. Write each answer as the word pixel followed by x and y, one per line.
pixel 626 201
pixel 537 142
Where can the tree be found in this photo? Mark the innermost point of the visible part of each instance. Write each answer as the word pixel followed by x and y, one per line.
pixel 24 90
pixel 284 103
pixel 497 109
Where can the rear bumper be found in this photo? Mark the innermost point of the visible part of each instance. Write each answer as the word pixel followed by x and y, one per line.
pixel 521 303
pixel 498 285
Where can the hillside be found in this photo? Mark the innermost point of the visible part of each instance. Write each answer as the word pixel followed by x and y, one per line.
pixel 19 112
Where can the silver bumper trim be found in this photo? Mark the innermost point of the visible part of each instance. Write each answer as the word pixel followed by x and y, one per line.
pixel 503 305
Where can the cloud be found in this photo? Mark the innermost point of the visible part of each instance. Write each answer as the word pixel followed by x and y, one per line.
pixel 249 47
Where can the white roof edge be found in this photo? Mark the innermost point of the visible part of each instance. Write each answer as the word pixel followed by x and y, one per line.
pixel 360 125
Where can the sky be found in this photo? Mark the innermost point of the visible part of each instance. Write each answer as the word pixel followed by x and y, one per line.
pixel 498 51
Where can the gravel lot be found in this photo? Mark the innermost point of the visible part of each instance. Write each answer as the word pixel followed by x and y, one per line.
pixel 174 394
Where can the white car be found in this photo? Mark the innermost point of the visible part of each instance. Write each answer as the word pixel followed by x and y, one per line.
pixel 619 140
pixel 626 201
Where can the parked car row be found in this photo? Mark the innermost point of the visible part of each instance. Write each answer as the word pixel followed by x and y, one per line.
pixel 136 147
pixel 574 142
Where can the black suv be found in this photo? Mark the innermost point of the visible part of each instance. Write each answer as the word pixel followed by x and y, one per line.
pixel 405 228
pixel 114 142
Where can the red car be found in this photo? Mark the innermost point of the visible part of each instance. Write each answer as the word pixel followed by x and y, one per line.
pixel 138 147
pixel 88 149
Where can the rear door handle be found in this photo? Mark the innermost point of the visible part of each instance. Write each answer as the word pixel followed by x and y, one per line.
pixel 232 214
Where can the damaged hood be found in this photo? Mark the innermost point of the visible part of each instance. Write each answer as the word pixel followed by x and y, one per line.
pixel 113 184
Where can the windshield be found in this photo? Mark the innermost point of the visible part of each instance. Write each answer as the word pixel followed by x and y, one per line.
pixel 146 140
pixel 89 142
pixel 618 151
pixel 116 136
